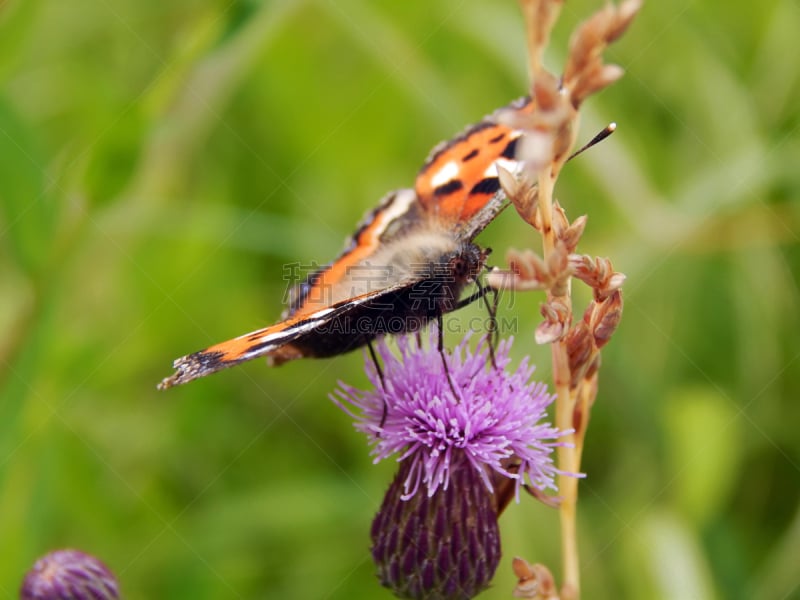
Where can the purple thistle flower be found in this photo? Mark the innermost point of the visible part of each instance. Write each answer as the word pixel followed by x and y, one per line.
pixel 496 416
pixel 69 575
pixel 470 448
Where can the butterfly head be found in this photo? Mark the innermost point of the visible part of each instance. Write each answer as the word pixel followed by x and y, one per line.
pixel 467 262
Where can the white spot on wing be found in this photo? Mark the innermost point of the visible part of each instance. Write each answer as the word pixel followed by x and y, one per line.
pixel 321 313
pixel 447 173
pixel 266 339
pixel 278 338
pixel 507 164
pixel 400 205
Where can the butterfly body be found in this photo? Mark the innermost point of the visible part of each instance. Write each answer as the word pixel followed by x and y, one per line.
pixel 407 263
pixel 429 289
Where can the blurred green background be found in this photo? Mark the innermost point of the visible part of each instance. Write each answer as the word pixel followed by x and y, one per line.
pixel 161 161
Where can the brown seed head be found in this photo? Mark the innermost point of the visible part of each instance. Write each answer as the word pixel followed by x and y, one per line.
pixel 580 350
pixel 526 271
pixel 556 315
pixel 585 73
pixel 573 233
pixel 606 318
pixel 535 581
pixel 522 192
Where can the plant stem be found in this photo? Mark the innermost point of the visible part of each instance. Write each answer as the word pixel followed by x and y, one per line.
pixel 568 456
pixel 569 462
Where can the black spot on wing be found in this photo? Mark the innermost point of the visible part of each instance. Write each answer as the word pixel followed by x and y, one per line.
pixel 206 360
pixel 448 188
pixel 497 138
pixel 488 185
pixel 471 155
pixel 510 151
pixel 490 121
pixel 298 293
pixel 443 147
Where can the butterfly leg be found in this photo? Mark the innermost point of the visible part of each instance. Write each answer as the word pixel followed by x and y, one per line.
pixel 418 336
pixel 482 291
pixel 493 334
pixel 480 294
pixel 440 323
pixel 379 371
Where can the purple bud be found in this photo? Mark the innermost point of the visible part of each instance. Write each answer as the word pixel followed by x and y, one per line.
pixel 69 575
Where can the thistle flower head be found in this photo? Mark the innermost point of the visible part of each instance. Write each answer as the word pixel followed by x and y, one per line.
pixel 454 438
pixel 493 416
pixel 69 575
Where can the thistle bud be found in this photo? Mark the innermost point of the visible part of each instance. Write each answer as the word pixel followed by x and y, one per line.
pixel 444 545
pixel 69 575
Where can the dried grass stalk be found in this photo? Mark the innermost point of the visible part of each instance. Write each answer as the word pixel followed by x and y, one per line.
pixel 549 132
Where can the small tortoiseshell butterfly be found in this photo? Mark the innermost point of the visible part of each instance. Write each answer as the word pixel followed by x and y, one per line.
pixel 408 261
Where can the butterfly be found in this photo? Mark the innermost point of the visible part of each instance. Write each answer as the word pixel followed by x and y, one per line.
pixel 407 263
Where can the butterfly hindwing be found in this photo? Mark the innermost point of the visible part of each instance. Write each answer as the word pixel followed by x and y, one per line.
pixel 403 306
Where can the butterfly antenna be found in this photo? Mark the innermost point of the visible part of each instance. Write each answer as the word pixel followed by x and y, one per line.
pixel 440 322
pixel 603 134
pixel 374 356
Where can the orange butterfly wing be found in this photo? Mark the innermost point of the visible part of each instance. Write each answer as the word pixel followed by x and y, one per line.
pixel 460 175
